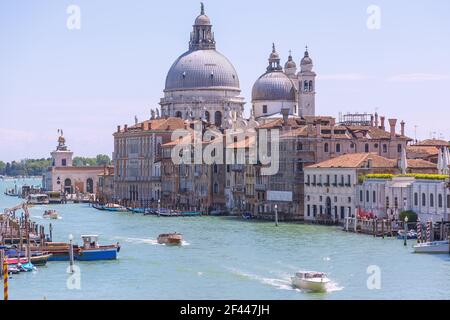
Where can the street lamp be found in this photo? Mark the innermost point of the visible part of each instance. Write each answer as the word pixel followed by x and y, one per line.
pixel 405 230
pixel 159 206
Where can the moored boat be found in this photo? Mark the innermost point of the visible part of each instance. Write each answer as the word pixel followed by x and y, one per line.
pixel 190 213
pixel 410 235
pixel 114 207
pixel 432 247
pixel 38 199
pixel 170 238
pixel 38 260
pixel 311 280
pixel 92 251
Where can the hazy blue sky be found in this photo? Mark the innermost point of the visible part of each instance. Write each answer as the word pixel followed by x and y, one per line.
pixel 88 81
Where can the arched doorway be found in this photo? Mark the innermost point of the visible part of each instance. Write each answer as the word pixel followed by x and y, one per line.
pixel 328 207
pixel 218 118
pixel 89 186
pixel 68 185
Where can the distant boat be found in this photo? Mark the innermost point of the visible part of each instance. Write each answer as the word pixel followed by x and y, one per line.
pixel 38 199
pixel 167 213
pixel 98 206
pixel 311 280
pixel 50 214
pixel 190 213
pixel 432 247
pixel 38 260
pixel 247 215
pixel 92 251
pixel 137 210
pixel 170 238
pixel 410 235
pixel 114 207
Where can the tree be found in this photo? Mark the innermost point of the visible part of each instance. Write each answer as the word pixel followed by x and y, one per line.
pixel 2 168
pixel 103 159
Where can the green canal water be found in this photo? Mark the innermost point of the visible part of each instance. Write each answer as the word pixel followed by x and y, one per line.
pixel 225 258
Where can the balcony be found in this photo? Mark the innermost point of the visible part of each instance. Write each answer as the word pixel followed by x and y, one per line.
pixel 239 188
pixel 237 167
pixel 260 187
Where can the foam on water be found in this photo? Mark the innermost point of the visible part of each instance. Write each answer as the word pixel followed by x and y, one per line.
pixel 146 241
pixel 283 284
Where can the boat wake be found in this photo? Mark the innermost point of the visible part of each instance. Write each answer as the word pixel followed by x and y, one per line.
pixel 283 284
pixel 145 241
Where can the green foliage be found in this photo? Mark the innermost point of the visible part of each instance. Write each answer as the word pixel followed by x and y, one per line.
pixel 412 216
pixel 426 176
pixel 36 167
pixel 379 176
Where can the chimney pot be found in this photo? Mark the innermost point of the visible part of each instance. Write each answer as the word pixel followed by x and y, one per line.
pixel 392 124
pixel 118 128
pixel 402 127
pixel 125 128
pixel 382 126
pixel 376 119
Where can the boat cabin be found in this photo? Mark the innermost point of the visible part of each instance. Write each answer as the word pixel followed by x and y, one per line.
pixel 90 241
pixel 310 274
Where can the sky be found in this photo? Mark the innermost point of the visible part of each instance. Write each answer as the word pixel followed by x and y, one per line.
pixel 87 81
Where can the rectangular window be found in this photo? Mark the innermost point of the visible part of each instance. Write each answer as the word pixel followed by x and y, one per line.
pixel 63 162
pixel 264 109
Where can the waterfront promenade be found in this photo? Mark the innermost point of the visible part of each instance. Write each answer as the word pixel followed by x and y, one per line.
pixel 226 258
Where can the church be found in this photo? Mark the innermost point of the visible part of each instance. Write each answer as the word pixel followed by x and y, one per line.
pixel 203 84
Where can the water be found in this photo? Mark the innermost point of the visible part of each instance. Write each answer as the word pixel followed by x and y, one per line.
pixel 225 258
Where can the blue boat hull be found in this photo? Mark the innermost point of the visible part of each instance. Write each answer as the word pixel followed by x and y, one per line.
pixel 98 254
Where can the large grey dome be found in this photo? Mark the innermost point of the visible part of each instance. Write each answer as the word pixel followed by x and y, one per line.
pixel 273 86
pixel 202 69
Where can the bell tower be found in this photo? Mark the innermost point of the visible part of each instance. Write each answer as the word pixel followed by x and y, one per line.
pixel 61 157
pixel 202 37
pixel 307 86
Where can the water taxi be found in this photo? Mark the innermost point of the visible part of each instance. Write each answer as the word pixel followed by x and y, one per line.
pixel 170 238
pixel 433 247
pixel 91 250
pixel 50 214
pixel 311 280
pixel 38 199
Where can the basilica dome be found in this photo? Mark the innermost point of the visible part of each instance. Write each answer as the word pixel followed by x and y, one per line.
pixel 202 69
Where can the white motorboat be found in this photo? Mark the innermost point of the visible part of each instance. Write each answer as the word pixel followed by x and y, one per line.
pixel 38 199
pixel 432 247
pixel 50 214
pixel 311 280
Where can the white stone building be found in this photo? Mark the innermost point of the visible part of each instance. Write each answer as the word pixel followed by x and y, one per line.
pixel 64 177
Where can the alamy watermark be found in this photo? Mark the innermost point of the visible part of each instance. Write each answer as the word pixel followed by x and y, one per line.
pixel 374 280
pixel 374 19
pixel 74 19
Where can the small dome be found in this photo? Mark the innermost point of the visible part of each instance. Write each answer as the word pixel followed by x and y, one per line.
pixel 290 63
pixel 273 86
pixel 306 59
pixel 202 20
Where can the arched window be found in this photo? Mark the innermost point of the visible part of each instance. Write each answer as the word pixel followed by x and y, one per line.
pixel 299 146
pixel 448 201
pixel 424 199
pixel 68 185
pixel 310 86
pixel 325 147
pixel 90 185
pixel 366 147
pixel 218 118
pixel 305 86
pixel 207 116
pixel 399 148
pixel 361 196
pixel 431 200
pixel 440 200
pixel 216 187
pixel 384 148
pixel 367 196
pixel 178 114
pixel 374 196
pixel 215 168
pixel 416 199
pixel 338 147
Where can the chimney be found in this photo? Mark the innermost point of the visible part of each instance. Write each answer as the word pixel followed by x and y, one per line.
pixel 376 119
pixel 392 123
pixel 402 130
pixel 318 129
pixel 285 113
pixel 371 120
pixel 118 128
pixel 382 123
pixel 125 128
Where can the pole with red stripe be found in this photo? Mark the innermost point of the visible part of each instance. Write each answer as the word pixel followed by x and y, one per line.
pixel 5 280
pixel 419 231
pixel 429 231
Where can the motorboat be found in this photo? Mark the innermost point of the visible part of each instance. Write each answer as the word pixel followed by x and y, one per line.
pixel 50 214
pixel 247 215
pixel 411 234
pixel 190 213
pixel 167 213
pixel 310 280
pixel 170 238
pixel 92 251
pixel 114 207
pixel 37 259
pixel 432 247
pixel 38 199
pixel 98 206
pixel 137 210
